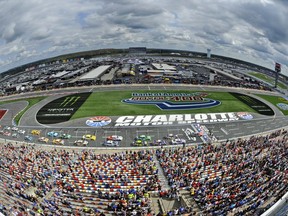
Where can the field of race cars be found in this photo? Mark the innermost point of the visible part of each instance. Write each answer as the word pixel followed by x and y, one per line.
pixel 108 138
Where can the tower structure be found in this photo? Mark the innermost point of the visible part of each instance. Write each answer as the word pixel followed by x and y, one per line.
pixel 208 53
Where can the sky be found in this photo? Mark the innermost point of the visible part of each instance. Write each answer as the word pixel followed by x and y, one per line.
pixel 250 30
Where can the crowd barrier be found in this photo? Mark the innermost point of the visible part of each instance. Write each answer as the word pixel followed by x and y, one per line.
pixel 277 206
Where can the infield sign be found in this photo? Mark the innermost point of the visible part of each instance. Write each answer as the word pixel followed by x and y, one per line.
pixel 61 109
pixel 173 101
pixel 156 120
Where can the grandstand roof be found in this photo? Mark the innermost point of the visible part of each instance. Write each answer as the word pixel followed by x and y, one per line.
pixel 223 72
pixel 110 75
pixel 60 74
pixel 163 66
pixel 95 73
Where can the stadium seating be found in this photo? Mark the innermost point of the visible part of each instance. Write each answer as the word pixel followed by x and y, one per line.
pixel 239 177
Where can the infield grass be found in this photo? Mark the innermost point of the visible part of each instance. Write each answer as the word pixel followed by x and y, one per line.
pixel 109 104
pixel 267 79
pixel 275 100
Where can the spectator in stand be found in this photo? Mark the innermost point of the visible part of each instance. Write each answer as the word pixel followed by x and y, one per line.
pixel 232 175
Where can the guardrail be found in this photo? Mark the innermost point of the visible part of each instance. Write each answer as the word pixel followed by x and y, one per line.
pixel 162 208
pixel 277 206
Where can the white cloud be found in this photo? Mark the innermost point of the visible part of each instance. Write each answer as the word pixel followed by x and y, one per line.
pixel 238 28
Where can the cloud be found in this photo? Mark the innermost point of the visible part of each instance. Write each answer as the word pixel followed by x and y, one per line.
pixel 247 29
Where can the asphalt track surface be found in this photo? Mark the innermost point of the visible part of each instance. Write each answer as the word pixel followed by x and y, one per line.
pixel 78 128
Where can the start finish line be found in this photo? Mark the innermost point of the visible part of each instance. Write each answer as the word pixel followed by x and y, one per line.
pixel 146 120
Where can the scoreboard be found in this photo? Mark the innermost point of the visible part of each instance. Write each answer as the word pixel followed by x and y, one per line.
pixel 277 67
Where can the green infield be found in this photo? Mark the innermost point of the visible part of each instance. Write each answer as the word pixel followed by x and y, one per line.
pixel 110 104
pixel 280 102
pixel 267 79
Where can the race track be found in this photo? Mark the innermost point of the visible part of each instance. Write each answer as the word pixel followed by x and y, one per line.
pixel 78 128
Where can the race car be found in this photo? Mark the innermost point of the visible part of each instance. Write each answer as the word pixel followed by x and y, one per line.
pixel 53 134
pixel 170 136
pixel 89 137
pixel 140 142
pixel 14 129
pixel 178 141
pixel 115 138
pixel 7 128
pixel 159 142
pixel 15 135
pixel 21 131
pixel 81 142
pixel 58 141
pixel 65 136
pixel 43 139
pixel 111 143
pixel 144 137
pixel 7 133
pixel 35 132
pixel 28 138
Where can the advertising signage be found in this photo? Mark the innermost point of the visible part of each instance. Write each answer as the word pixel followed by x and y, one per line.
pixel 156 120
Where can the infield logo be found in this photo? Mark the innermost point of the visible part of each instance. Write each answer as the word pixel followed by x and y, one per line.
pixel 70 101
pixel 173 101
pixel 61 109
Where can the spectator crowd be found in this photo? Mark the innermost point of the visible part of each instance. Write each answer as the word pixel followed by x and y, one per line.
pixel 235 176
pixel 239 177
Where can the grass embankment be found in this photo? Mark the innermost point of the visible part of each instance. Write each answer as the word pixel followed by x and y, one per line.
pixel 275 100
pixel 267 79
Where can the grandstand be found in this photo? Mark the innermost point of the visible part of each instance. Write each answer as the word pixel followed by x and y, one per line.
pixel 158 66
pixel 222 72
pixel 236 177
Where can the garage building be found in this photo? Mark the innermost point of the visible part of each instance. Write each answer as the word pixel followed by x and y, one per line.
pixel 95 73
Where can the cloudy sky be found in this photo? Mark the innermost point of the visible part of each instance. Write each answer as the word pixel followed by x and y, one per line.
pixel 253 30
